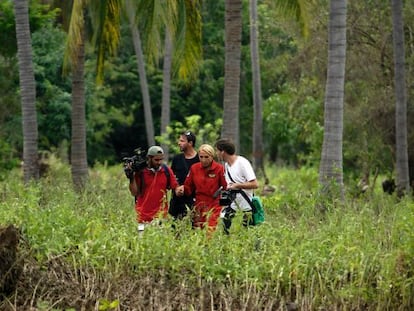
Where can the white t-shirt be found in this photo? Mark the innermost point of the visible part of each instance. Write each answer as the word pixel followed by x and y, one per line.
pixel 240 171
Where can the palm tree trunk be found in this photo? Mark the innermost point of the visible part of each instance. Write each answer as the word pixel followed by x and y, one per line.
pixel 233 29
pixel 403 182
pixel 331 170
pixel 27 90
pixel 79 163
pixel 149 123
pixel 257 92
pixel 166 89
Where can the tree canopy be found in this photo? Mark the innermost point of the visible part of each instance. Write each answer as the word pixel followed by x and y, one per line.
pixel 293 73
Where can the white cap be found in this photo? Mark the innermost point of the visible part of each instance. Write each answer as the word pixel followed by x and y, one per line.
pixel 155 150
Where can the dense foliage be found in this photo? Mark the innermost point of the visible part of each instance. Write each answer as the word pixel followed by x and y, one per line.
pixel 83 250
pixel 293 70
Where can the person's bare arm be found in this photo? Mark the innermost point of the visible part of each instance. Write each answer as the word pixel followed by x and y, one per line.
pixel 133 187
pixel 251 184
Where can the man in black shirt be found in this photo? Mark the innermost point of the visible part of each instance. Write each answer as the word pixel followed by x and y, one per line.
pixel 180 165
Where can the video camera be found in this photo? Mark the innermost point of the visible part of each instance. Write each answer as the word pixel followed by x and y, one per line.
pixel 135 163
pixel 227 197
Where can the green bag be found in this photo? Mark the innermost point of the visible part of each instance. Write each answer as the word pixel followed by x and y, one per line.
pixel 258 214
pixel 258 211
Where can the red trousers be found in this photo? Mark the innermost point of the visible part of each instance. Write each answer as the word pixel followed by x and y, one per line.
pixel 206 215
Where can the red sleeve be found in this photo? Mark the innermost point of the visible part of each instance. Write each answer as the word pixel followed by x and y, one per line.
pixel 222 178
pixel 188 183
pixel 173 180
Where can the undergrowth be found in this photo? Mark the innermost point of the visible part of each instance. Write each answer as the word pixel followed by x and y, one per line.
pixel 354 256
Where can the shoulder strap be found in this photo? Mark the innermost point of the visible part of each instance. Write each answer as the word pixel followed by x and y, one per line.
pixel 228 173
pixel 167 174
pixel 242 192
pixel 248 200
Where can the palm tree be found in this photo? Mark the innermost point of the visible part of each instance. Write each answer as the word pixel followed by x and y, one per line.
pixel 149 123
pixel 181 22
pixel 105 22
pixel 403 183
pixel 331 171
pixel 79 163
pixel 28 91
pixel 289 8
pixel 183 45
pixel 233 30
pixel 104 19
pixel 257 90
pixel 166 89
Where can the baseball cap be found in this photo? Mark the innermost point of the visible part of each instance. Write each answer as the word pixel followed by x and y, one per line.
pixel 155 150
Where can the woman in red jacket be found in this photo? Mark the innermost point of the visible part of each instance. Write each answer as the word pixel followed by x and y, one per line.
pixel 205 179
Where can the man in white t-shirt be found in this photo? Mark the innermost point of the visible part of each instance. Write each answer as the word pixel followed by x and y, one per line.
pixel 240 176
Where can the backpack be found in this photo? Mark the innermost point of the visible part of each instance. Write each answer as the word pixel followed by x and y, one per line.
pixel 167 174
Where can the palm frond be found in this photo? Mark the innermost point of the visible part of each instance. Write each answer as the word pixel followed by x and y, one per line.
pixel 296 9
pixel 105 20
pixel 76 28
pixel 188 50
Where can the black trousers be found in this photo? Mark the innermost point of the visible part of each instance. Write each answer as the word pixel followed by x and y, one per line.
pixel 229 214
pixel 179 206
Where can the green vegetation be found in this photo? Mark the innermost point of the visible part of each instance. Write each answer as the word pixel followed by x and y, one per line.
pixel 82 250
pixel 293 72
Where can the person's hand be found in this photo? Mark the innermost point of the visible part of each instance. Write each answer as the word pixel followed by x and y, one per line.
pixel 179 191
pixel 232 186
pixel 129 173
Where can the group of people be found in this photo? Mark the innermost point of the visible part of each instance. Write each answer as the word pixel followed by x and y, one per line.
pixel 196 179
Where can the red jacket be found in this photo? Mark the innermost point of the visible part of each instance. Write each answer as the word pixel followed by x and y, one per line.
pixel 205 182
pixel 153 198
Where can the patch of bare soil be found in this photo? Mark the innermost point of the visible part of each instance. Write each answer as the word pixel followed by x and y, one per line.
pixel 58 284
pixel 10 267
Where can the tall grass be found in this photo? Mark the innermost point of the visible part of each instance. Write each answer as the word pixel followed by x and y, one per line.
pixel 354 256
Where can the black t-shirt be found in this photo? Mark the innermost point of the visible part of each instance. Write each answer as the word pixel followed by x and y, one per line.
pixel 181 166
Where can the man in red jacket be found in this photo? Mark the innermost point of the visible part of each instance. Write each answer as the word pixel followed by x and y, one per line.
pixel 150 186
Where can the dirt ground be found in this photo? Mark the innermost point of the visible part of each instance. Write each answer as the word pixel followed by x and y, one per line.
pixel 10 267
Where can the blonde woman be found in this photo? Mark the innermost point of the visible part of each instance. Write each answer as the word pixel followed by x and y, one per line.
pixel 204 179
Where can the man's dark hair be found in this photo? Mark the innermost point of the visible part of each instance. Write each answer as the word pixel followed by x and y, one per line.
pixel 190 137
pixel 226 145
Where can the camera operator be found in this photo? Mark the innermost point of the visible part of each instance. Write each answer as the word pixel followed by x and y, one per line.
pixel 240 176
pixel 149 185
pixel 180 165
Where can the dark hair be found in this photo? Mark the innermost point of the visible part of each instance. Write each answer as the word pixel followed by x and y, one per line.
pixel 226 145
pixel 190 137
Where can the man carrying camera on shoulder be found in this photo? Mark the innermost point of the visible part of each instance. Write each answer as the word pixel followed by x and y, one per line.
pixel 149 184
pixel 240 176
